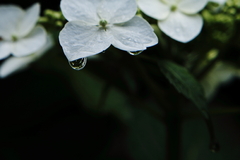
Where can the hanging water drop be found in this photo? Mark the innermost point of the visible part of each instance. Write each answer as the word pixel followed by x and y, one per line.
pixel 134 53
pixel 78 64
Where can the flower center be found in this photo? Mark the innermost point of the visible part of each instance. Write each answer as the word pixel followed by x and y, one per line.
pixel 103 24
pixel 173 8
pixel 14 38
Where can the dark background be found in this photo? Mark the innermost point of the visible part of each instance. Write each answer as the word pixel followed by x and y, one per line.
pixel 42 118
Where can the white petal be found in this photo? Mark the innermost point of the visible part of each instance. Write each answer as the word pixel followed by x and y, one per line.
pixel 15 64
pixel 49 44
pixel 10 17
pixel 5 49
pixel 133 35
pixel 79 40
pixel 192 6
pixel 117 11
pixel 181 27
pixel 80 10
pixel 29 20
pixel 154 8
pixel 31 43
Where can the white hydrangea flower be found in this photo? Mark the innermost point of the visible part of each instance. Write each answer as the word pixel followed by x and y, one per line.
pixel 16 64
pixel 94 25
pixel 176 18
pixel 18 34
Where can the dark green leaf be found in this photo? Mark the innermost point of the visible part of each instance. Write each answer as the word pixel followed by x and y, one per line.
pixel 185 83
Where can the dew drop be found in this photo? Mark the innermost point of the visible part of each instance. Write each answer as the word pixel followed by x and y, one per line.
pixel 214 147
pixel 78 64
pixel 135 52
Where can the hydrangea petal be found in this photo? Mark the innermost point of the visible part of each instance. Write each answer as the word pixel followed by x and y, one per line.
pixel 29 20
pixel 117 11
pixel 15 64
pixel 154 8
pixel 9 20
pixel 170 2
pixel 192 6
pixel 31 43
pixel 133 35
pixel 181 27
pixel 5 49
pixel 80 10
pixel 79 40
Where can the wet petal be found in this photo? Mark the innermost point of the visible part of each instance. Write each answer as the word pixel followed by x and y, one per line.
pixel 5 49
pixel 133 35
pixel 117 11
pixel 29 20
pixel 182 27
pixel 31 43
pixel 10 16
pixel 79 40
pixel 192 6
pixel 154 8
pixel 80 10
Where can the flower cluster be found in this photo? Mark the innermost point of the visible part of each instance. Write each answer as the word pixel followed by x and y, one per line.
pixel 95 25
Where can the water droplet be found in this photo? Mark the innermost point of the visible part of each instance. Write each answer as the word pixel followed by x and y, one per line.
pixel 135 52
pixel 78 64
pixel 214 147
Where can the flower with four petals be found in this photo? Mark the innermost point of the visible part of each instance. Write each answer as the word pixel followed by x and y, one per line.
pixel 179 19
pixel 94 25
pixel 19 34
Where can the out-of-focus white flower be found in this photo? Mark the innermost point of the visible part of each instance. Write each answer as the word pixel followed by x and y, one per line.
pixel 94 25
pixel 15 64
pixel 176 18
pixel 18 34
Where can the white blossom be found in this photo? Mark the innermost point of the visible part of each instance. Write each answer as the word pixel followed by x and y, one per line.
pixel 16 64
pixel 19 34
pixel 94 25
pixel 179 19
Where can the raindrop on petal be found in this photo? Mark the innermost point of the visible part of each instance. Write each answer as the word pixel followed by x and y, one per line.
pixel 78 64
pixel 134 53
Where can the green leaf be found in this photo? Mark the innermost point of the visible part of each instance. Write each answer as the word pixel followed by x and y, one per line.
pixel 185 83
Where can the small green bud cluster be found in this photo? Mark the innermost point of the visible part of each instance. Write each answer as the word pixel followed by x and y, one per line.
pixel 53 17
